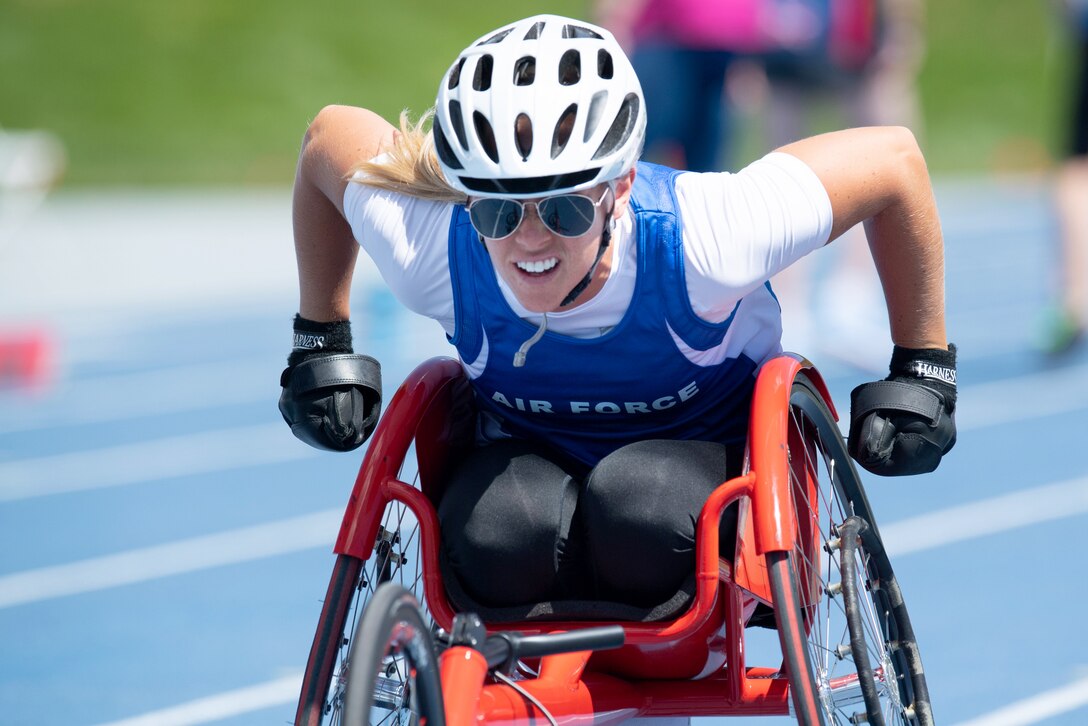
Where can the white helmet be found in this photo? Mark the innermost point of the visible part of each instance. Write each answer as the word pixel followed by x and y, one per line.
pixel 542 106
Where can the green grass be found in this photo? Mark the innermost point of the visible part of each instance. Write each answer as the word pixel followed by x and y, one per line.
pixel 994 84
pixel 162 92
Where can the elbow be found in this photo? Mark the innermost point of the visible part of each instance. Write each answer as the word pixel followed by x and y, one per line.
pixel 324 119
pixel 900 170
pixel 907 154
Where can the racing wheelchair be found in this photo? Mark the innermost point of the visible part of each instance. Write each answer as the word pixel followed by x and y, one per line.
pixel 392 645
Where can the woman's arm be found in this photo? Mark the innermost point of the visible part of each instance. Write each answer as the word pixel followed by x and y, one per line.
pixel 331 397
pixel 906 423
pixel 338 139
pixel 878 176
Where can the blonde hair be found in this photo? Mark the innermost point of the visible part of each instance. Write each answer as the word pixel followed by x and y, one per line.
pixel 410 166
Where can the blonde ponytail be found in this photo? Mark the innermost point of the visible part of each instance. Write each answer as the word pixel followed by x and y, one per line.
pixel 410 166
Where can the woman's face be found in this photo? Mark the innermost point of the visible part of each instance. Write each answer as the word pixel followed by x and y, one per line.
pixel 541 267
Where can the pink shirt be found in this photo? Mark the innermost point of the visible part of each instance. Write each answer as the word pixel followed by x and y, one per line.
pixel 843 28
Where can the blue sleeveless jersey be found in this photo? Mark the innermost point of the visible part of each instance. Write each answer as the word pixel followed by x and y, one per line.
pixel 588 397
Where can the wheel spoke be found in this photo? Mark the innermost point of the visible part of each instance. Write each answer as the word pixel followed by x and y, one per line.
pixel 827 492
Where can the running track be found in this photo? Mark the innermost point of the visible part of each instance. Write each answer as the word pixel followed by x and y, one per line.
pixel 165 541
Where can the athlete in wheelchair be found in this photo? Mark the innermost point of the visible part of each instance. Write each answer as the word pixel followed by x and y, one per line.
pixel 611 319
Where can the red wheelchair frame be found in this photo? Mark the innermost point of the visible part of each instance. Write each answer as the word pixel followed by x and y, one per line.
pixel 693 665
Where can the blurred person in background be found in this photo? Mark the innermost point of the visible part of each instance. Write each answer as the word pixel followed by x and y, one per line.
pixel 682 51
pixel 816 65
pixel 843 63
pixel 1066 328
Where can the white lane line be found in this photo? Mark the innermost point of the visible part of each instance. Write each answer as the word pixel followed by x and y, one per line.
pixel 913 535
pixel 174 456
pixel 1037 708
pixel 146 393
pixel 1000 402
pixel 928 531
pixel 1019 399
pixel 988 516
pixel 924 532
pixel 221 706
pixel 174 558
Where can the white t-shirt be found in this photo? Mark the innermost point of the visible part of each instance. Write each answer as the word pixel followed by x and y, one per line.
pixel 739 230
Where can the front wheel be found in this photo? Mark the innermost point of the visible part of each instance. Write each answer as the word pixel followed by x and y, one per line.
pixel 847 641
pixel 394 674
pixel 395 558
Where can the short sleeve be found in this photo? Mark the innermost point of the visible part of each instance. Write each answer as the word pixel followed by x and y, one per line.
pixel 741 229
pixel 408 240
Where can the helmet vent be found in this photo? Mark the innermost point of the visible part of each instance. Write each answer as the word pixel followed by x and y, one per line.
pixel 458 124
pixel 497 37
pixel 580 31
pixel 481 79
pixel 525 71
pixel 486 135
pixel 455 74
pixel 445 153
pixel 593 116
pixel 563 129
pixel 604 64
pixel 523 135
pixel 621 127
pixel 534 32
pixel 570 68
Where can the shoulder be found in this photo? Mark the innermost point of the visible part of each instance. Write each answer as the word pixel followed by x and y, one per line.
pixel 776 184
pixel 337 140
pixel 654 187
pixel 739 229
pixel 366 132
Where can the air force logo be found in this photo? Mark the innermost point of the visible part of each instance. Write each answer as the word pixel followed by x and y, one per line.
pixel 599 407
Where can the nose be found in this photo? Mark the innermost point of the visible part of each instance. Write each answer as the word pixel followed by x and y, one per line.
pixel 532 231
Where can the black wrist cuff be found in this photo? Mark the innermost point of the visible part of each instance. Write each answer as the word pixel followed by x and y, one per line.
pixel 931 367
pixel 931 363
pixel 316 338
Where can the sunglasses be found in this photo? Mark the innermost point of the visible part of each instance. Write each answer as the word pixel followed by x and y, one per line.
pixel 567 215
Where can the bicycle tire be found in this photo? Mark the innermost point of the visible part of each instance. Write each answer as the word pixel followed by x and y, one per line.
pixel 849 649
pixel 396 558
pixel 394 679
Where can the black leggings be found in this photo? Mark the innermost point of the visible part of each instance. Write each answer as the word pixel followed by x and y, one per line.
pixel 518 528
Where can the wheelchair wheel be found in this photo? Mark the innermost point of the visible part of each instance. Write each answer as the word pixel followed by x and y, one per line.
pixel 847 641
pixel 394 676
pixel 354 583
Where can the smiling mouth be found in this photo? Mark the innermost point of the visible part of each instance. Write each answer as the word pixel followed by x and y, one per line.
pixel 538 267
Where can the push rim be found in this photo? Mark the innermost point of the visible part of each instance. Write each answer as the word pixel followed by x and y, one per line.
pixel 878 654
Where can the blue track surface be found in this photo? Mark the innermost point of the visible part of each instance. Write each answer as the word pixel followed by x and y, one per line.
pixel 166 542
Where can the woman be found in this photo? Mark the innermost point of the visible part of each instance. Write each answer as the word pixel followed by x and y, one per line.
pixel 610 315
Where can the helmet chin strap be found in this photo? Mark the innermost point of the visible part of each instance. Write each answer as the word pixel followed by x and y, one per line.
pixel 606 239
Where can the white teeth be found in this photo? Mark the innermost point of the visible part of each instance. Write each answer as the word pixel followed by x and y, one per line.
pixel 538 265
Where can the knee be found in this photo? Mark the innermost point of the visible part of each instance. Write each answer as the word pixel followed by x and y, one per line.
pixel 503 516
pixel 651 478
pixel 639 509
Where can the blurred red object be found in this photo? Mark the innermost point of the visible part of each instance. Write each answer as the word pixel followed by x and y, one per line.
pixel 26 358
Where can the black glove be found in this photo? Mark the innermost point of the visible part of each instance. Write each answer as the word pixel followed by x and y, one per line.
pixel 904 424
pixel 331 397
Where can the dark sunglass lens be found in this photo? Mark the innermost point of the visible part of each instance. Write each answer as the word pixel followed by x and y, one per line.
pixel 495 218
pixel 570 215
